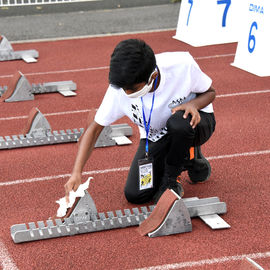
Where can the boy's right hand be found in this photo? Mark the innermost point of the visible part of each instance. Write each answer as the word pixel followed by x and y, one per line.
pixel 72 184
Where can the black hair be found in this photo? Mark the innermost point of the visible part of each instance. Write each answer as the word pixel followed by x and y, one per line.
pixel 132 62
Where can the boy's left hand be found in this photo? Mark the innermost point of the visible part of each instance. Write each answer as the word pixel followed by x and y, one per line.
pixel 189 109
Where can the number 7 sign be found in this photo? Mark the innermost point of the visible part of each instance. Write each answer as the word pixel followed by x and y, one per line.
pixel 208 22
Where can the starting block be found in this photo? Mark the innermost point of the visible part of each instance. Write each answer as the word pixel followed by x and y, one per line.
pixel 38 132
pixel 173 215
pixel 19 89
pixel 208 22
pixel 7 53
pixel 85 219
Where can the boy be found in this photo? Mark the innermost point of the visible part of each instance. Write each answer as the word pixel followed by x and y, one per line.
pixel 170 99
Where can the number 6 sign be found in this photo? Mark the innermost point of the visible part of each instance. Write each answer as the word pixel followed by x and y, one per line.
pixel 207 22
pixel 253 49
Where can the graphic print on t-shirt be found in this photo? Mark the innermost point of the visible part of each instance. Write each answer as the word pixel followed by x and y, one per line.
pixel 154 134
pixel 136 115
pixel 176 102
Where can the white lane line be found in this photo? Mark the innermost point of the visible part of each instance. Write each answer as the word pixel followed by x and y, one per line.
pixel 102 68
pixel 6 260
pixel 225 259
pixel 88 110
pixel 45 178
pixel 58 71
pixel 214 56
pixel 255 153
pixel 47 114
pixel 244 93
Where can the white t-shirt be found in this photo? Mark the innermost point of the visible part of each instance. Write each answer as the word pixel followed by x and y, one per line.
pixel 180 80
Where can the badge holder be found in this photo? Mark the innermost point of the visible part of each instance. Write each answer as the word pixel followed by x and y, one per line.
pixel 145 173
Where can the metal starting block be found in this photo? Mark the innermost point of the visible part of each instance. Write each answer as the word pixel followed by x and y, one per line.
pixel 7 53
pixel 85 219
pixel 19 89
pixel 173 214
pixel 38 132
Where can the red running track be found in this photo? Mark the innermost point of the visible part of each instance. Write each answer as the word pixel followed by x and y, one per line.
pixel 32 179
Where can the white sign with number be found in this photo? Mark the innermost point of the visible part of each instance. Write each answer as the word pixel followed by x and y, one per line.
pixel 208 22
pixel 253 49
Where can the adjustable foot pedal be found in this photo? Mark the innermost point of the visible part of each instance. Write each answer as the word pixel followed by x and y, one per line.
pixel 38 132
pixel 173 214
pixel 170 216
pixel 19 89
pixel 7 53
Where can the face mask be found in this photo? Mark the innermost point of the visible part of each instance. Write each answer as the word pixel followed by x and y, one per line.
pixel 147 88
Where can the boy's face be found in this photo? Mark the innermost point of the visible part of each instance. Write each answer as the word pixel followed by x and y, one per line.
pixel 139 86
pixel 136 87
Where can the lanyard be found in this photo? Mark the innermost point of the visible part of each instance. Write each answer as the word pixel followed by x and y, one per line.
pixel 147 124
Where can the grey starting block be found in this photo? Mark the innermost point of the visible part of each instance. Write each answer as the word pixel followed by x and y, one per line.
pixel 39 133
pixel 173 214
pixel 7 53
pixel 20 89
pixel 196 206
pixel 85 219
pixel 177 221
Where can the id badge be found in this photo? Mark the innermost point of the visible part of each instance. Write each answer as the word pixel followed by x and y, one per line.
pixel 145 173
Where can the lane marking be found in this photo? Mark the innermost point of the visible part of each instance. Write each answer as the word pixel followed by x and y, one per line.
pixel 208 261
pixel 88 110
pixel 6 260
pixel 61 176
pixel 47 114
pixel 102 68
pixel 214 56
pixel 263 152
pixel 45 178
pixel 244 93
pixel 59 71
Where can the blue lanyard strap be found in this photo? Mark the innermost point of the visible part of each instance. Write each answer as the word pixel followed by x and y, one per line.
pixel 147 124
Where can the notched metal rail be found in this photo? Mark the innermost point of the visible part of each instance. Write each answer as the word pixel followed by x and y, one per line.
pixel 7 53
pixel 18 55
pixel 40 133
pixel 54 137
pixel 85 219
pixel 52 229
pixel 53 87
pixel 23 90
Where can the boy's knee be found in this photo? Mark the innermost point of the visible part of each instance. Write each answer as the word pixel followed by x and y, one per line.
pixel 180 125
pixel 137 198
pixel 130 196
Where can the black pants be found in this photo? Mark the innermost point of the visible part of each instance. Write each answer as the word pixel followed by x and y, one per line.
pixel 168 153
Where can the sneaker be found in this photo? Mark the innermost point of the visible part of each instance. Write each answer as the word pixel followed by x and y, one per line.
pixel 198 167
pixel 169 183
